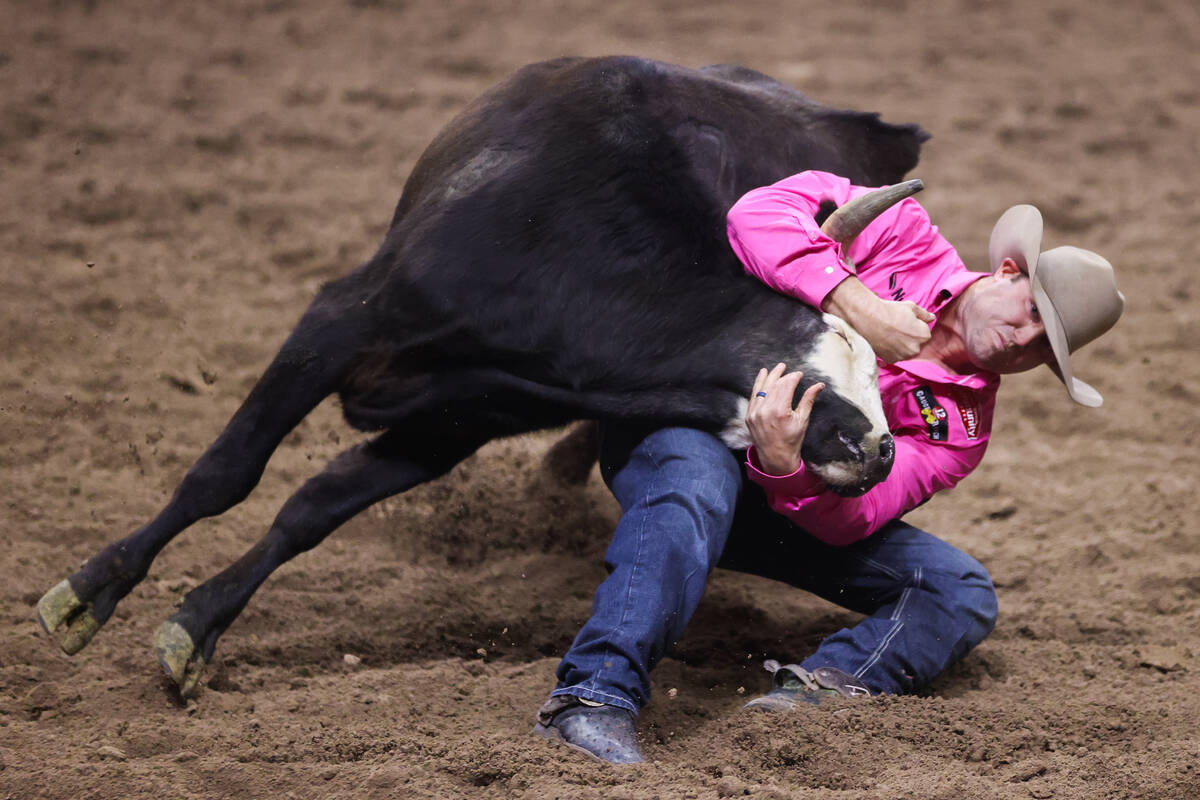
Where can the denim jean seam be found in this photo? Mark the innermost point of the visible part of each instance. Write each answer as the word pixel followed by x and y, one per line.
pixel 884 568
pixel 873 659
pixel 879 651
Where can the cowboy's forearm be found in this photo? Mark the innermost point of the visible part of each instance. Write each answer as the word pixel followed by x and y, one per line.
pixel 895 330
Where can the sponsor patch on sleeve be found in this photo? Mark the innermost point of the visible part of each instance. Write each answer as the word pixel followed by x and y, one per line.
pixel 970 419
pixel 933 413
pixel 968 412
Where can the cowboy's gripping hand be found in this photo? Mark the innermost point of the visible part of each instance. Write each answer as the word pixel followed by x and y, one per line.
pixel 896 330
pixel 776 428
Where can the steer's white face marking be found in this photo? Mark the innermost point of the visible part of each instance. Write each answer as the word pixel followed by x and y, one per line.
pixel 848 364
pixel 848 361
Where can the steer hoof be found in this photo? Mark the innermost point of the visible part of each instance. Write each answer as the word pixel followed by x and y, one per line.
pixel 178 656
pixel 61 606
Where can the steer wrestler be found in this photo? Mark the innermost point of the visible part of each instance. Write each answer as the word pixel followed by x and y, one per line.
pixel 943 335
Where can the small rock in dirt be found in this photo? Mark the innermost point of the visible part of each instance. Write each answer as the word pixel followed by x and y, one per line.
pixel 185 755
pixel 1002 513
pixel 1027 771
pixel 40 697
pixel 110 752
pixel 1165 659
pixel 672 692
pixel 180 383
pixel 351 659
pixel 730 787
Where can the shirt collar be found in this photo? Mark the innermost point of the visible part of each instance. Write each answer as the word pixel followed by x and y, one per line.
pixel 948 289
pixel 952 286
pixel 929 371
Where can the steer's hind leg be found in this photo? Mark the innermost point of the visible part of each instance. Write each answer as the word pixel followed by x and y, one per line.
pixel 354 480
pixel 307 368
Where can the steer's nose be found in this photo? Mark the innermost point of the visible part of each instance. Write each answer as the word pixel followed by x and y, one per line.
pixel 887 454
pixel 887 449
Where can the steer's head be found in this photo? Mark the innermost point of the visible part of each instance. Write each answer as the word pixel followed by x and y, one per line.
pixel 848 444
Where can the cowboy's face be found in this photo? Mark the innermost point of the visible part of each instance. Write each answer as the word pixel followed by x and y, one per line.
pixel 1003 330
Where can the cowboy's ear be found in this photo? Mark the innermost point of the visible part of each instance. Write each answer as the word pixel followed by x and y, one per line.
pixel 1008 270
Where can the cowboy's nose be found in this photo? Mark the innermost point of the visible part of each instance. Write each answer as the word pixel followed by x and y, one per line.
pixel 1023 336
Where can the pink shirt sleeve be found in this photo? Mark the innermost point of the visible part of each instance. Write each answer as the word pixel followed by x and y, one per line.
pixel 920 469
pixel 772 231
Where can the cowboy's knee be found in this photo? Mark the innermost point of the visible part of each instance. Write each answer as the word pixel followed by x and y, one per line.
pixel 975 599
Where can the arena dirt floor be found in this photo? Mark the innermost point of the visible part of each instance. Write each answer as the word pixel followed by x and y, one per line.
pixel 179 178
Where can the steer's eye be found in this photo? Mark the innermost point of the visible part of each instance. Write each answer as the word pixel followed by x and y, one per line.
pixel 851 445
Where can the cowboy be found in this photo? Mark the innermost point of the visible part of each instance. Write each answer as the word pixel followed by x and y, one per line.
pixel 943 335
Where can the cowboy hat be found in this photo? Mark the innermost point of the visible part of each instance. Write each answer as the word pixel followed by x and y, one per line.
pixel 1075 291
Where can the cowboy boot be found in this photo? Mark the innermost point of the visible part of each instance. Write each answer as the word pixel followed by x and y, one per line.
pixel 602 731
pixel 793 684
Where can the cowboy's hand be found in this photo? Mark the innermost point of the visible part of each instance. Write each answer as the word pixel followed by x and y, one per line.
pixel 896 330
pixel 777 428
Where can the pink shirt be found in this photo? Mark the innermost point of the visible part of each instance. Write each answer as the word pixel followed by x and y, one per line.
pixel 941 421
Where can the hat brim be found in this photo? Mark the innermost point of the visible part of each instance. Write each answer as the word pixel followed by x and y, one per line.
pixel 1079 391
pixel 1018 235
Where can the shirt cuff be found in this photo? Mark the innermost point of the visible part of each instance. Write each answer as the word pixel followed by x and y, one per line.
pixel 813 283
pixel 801 483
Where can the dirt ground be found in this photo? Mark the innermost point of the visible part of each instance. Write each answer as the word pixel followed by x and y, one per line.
pixel 179 178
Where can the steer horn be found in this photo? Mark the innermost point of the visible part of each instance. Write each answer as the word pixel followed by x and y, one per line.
pixel 849 220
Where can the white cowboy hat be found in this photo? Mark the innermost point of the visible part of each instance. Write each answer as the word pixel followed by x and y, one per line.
pixel 1075 291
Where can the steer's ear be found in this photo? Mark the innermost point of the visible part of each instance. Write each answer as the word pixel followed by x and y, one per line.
pixel 842 329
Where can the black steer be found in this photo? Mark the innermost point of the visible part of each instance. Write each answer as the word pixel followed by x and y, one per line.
pixel 558 253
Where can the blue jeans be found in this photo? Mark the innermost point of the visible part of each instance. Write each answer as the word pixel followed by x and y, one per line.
pixel 686 511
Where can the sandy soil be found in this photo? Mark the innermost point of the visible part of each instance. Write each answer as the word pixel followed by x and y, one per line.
pixel 178 179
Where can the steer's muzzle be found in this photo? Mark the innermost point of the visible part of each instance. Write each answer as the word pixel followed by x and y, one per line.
pixel 875 468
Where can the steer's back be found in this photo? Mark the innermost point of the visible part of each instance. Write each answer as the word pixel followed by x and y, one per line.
pixel 570 222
